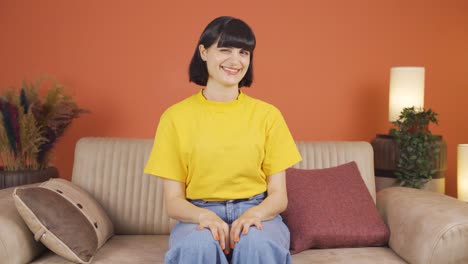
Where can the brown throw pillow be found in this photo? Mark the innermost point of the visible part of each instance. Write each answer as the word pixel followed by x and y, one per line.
pixel 65 218
pixel 331 208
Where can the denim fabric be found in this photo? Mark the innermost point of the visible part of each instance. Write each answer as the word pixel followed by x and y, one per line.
pixel 270 245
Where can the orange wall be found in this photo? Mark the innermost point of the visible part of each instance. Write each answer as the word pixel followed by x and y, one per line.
pixel 325 64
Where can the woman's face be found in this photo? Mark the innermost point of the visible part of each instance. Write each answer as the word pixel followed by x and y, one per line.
pixel 226 65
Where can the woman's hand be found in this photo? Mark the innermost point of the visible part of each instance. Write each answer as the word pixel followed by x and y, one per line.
pixel 217 226
pixel 249 218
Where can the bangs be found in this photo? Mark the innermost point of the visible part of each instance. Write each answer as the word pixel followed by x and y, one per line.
pixel 237 34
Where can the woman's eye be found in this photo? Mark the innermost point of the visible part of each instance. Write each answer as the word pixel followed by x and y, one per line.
pixel 245 52
pixel 225 50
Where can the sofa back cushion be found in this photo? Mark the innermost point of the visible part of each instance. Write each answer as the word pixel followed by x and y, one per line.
pixel 111 170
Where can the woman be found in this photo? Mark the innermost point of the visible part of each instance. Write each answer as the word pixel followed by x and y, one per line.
pixel 222 155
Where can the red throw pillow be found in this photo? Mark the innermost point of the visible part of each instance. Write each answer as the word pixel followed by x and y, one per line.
pixel 331 208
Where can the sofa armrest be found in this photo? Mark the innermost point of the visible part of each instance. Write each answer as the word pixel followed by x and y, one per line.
pixel 425 227
pixel 17 244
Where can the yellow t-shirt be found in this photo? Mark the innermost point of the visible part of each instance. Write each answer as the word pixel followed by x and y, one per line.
pixel 221 150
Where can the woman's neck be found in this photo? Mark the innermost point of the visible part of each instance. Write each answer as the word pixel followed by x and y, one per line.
pixel 220 93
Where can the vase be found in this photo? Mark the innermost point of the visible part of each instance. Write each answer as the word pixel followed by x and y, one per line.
pixel 16 178
pixel 386 156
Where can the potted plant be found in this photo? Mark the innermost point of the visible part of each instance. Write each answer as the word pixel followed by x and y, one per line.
pixel 29 129
pixel 418 149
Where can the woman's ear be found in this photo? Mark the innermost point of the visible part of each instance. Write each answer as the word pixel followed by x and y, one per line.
pixel 202 51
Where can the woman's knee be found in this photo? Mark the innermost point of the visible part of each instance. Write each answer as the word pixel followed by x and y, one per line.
pixel 257 246
pixel 255 239
pixel 199 241
pixel 198 247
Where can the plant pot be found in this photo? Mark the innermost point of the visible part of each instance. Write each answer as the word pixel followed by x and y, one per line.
pixel 386 156
pixel 16 178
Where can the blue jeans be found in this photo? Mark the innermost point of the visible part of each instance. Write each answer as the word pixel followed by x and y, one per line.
pixel 270 245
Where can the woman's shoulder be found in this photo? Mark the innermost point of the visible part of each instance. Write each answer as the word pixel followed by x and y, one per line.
pixel 182 107
pixel 262 105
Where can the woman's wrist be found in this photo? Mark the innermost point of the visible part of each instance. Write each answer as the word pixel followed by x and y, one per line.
pixel 256 212
pixel 203 213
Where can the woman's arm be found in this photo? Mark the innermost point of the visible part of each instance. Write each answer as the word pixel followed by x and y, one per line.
pixel 177 205
pixel 277 199
pixel 180 209
pixel 275 203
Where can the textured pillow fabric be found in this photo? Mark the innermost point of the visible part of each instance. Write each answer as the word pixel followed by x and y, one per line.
pixel 65 218
pixel 331 208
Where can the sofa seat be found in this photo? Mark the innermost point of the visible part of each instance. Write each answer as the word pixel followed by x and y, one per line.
pixel 368 255
pixel 144 249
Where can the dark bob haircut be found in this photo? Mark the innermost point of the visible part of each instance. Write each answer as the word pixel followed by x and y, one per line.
pixel 229 32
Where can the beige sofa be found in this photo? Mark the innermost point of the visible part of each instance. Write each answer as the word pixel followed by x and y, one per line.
pixel 425 227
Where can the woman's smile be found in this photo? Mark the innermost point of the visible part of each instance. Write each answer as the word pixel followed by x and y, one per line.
pixel 230 70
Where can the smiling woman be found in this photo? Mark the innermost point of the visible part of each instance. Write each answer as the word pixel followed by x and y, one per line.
pixel 222 155
pixel 222 37
pixel 227 66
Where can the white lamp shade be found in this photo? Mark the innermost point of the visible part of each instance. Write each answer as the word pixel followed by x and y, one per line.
pixel 462 172
pixel 406 90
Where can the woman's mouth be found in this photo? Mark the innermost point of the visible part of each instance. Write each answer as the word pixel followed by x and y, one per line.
pixel 230 71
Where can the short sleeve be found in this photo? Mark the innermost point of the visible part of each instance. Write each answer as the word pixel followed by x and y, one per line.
pixel 280 149
pixel 165 157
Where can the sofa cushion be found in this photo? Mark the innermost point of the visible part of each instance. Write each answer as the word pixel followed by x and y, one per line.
pixel 64 218
pixel 331 208
pixel 362 255
pixel 17 244
pixel 122 249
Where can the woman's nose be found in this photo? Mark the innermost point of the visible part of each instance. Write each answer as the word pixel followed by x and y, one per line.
pixel 235 56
